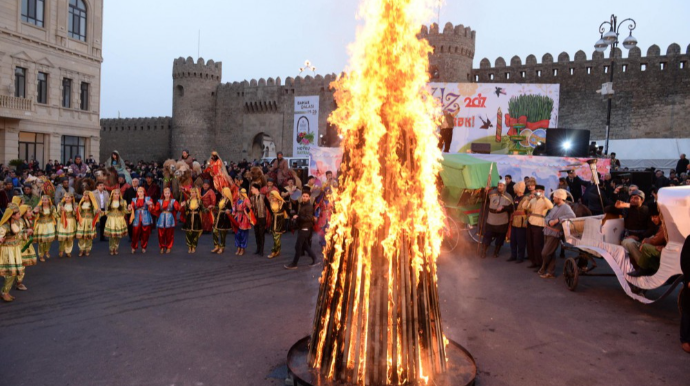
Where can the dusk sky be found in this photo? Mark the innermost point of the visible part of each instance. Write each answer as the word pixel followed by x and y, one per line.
pixel 270 38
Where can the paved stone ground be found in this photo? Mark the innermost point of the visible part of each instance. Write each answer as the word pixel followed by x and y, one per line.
pixel 205 319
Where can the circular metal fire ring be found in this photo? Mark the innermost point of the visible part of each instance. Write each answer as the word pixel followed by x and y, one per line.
pixel 462 369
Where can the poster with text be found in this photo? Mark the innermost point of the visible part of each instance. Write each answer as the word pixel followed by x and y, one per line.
pixel 306 129
pixel 511 117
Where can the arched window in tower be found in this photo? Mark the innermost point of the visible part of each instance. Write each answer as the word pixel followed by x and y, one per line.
pixel 77 20
pixel 180 91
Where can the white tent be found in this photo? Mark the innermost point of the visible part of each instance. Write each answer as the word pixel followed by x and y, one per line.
pixel 661 153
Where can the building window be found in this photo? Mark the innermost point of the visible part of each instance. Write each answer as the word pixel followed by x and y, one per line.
pixel 72 147
pixel 523 74
pixel 20 82
pixel 31 147
pixel 507 75
pixel 67 93
pixel 84 96
pixel 643 67
pixel 538 73
pixel 32 12
pixel 662 65
pixel 624 68
pixel 555 72
pixel 77 20
pixel 572 71
pixel 42 88
pixel 606 69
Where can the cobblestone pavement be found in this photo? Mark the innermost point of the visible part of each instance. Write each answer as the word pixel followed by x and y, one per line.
pixel 205 319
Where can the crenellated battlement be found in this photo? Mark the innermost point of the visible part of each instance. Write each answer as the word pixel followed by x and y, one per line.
pixel 549 71
pixel 187 68
pixel 448 30
pixel 146 123
pixel 454 40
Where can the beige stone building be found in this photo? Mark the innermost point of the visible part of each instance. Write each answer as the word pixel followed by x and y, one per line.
pixel 50 79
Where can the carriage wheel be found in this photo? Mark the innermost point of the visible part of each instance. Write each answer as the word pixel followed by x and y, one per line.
pixel 451 235
pixel 571 273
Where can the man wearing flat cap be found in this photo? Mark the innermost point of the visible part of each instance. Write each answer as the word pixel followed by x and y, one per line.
pixel 637 222
pixel 553 231
pixel 497 219
pixel 650 248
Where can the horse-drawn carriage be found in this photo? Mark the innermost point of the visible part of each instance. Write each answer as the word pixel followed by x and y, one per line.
pixel 462 182
pixel 595 239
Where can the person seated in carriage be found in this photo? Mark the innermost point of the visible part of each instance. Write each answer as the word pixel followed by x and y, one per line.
pixel 650 248
pixel 637 223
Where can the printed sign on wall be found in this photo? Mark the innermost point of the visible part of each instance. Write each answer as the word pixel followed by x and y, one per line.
pixel 306 125
pixel 511 117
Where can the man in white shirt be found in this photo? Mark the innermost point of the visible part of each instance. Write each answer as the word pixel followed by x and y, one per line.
pixel 102 198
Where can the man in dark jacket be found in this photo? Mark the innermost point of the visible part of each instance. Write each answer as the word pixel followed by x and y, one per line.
pixel 682 165
pixel 575 184
pixel 305 224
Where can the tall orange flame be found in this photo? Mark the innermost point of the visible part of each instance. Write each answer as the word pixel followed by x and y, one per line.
pixel 377 319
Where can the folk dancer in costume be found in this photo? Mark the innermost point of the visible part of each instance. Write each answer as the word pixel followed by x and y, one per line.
pixel 224 221
pixel 87 218
pixel 140 219
pixel 259 204
pixel 28 251
pixel 323 209
pixel 44 228
pixel 119 164
pixel 219 173
pixel 538 206
pixel 115 223
pixel 497 219
pixel 278 221
pixel 518 224
pixel 192 219
pixel 166 209
pixel 208 198
pixel 67 224
pixel 11 242
pixel 242 215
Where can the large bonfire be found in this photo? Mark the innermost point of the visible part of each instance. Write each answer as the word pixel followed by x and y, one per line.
pixel 377 319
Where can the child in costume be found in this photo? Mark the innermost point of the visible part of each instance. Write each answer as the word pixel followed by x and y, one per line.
pixel 166 209
pixel 277 224
pixel 141 219
pixel 223 221
pixel 44 228
pixel 88 211
pixel 67 224
pixel 115 223
pixel 11 242
pixel 241 213
pixel 28 251
pixel 192 219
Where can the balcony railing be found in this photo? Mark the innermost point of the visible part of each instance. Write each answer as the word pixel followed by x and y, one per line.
pixel 15 103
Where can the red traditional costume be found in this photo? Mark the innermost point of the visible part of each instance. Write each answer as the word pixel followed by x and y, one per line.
pixel 166 210
pixel 219 172
pixel 209 200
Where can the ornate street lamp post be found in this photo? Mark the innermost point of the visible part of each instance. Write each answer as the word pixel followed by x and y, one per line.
pixel 607 39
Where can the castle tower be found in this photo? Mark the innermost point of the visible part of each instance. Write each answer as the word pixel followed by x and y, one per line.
pixel 451 60
pixel 194 106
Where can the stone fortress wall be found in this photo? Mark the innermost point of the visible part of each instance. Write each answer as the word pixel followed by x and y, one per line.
pixel 652 92
pixel 233 117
